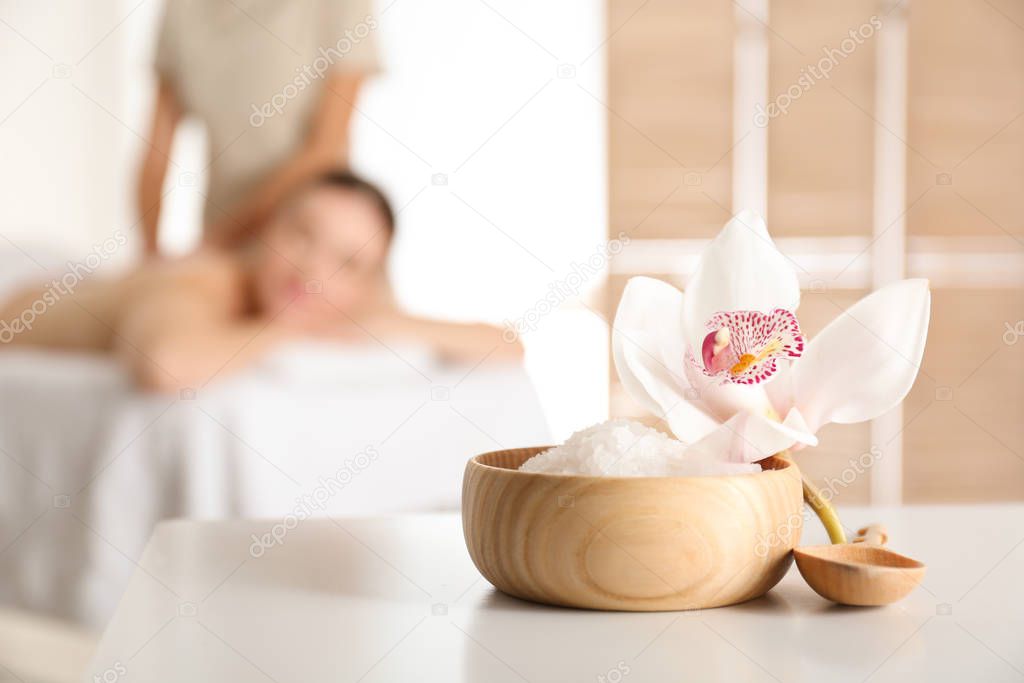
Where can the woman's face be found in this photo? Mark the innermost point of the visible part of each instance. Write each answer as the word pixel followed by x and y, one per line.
pixel 322 257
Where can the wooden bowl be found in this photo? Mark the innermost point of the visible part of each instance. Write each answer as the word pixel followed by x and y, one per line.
pixel 630 543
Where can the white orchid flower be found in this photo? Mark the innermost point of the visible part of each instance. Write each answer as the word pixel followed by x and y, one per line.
pixel 727 365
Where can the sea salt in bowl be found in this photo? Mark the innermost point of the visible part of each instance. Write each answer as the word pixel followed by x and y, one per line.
pixel 630 543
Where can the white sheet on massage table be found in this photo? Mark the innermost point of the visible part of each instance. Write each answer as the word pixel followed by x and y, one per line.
pixel 250 446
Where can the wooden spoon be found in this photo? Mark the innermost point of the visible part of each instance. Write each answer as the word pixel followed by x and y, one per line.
pixel 859 573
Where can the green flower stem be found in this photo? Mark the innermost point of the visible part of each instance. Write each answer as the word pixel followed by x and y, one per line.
pixel 822 508
pixel 826 513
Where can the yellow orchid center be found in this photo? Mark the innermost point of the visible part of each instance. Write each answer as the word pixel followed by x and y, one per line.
pixel 748 359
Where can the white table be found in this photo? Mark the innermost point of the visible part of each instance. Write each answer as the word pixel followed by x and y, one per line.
pixel 397 599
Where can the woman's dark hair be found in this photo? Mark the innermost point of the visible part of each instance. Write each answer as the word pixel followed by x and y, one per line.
pixel 346 180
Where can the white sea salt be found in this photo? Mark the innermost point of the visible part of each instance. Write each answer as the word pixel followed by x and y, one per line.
pixel 626 448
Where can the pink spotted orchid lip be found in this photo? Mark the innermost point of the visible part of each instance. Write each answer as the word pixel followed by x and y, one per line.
pixel 743 347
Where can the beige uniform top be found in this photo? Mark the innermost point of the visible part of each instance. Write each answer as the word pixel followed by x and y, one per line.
pixel 252 72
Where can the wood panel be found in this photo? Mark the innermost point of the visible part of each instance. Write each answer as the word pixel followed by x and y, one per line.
pixel 966 119
pixel 965 416
pixel 820 179
pixel 670 130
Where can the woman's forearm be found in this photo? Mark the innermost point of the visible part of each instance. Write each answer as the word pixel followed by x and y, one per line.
pixel 166 115
pixel 191 359
pixel 458 341
pixel 150 202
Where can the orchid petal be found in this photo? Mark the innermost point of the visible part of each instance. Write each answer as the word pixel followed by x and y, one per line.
pixel 749 438
pixel 865 361
pixel 722 401
pixel 647 347
pixel 780 388
pixel 741 270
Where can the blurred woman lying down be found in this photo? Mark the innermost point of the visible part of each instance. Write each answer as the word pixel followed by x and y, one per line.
pixel 317 271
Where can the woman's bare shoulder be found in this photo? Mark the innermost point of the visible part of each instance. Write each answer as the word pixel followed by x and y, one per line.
pixel 217 274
